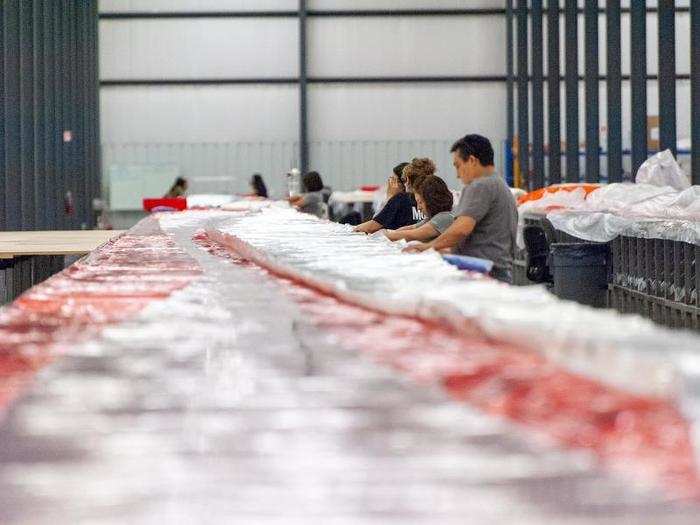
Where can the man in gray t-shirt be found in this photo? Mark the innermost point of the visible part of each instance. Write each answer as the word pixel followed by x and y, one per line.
pixel 490 203
pixel 486 215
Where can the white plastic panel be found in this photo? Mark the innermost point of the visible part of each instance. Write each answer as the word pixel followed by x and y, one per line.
pixel 198 114
pixel 198 48
pixel 418 46
pixel 125 6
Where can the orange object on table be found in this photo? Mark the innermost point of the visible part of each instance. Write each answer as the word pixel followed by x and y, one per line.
pixel 554 188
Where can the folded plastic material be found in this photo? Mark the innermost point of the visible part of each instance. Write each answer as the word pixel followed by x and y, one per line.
pixel 625 353
pixel 573 199
pixel 661 205
pixel 637 210
pixel 663 170
pixel 111 284
pixel 373 272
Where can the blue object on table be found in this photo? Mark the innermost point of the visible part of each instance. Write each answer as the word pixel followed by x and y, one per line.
pixel 464 262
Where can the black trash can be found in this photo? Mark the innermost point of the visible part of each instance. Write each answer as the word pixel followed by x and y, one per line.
pixel 580 272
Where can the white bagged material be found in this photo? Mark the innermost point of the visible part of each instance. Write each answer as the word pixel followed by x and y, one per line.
pixel 575 199
pixel 637 210
pixel 662 204
pixel 663 170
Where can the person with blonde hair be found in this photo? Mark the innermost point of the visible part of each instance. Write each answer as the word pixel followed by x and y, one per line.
pixel 401 209
pixel 435 200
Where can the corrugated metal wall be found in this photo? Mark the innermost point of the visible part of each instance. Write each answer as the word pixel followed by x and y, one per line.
pixel 49 136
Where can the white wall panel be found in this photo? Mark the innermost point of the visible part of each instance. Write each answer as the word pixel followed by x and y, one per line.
pixel 198 114
pixel 125 6
pixel 406 111
pixel 407 46
pixel 198 48
pixel 212 167
pixel 404 4
pixel 226 167
pixel 348 164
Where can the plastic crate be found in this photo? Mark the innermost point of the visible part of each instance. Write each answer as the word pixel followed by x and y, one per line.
pixel 658 279
pixel 164 204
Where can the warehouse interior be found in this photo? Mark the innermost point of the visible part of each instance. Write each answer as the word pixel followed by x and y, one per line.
pixel 350 261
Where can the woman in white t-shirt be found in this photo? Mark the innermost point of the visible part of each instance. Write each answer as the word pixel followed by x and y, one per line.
pixel 435 201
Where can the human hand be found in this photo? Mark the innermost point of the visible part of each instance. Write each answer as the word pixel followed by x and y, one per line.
pixel 393 186
pixel 417 247
pixel 392 235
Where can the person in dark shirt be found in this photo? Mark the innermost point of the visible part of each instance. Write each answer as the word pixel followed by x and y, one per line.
pixel 394 211
pixel 178 189
pixel 258 187
pixel 401 209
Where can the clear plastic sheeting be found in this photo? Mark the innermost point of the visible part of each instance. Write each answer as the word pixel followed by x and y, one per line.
pixel 113 283
pixel 253 205
pixel 567 200
pixel 242 399
pixel 635 210
pixel 210 200
pixel 375 273
pixel 662 169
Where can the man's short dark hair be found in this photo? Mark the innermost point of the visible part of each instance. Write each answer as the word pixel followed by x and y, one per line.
pixel 476 146
pixel 312 181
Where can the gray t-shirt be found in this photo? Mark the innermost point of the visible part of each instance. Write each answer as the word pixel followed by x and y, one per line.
pixel 440 221
pixel 313 203
pixel 489 201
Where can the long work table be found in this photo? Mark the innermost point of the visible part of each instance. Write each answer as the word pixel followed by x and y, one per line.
pixel 29 257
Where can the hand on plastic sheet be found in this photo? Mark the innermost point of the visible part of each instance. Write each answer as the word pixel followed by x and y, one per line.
pixel 416 247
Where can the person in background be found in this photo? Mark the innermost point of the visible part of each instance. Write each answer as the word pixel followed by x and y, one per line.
pixel 257 186
pixel 486 215
pixel 396 211
pixel 311 200
pixel 401 209
pixel 435 201
pixel 178 189
pixel 413 175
